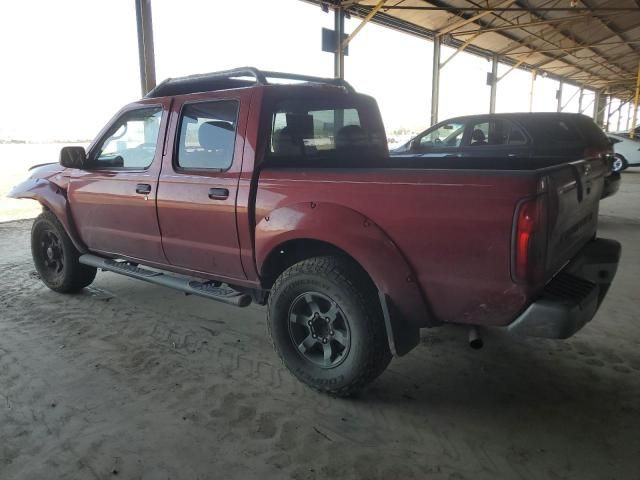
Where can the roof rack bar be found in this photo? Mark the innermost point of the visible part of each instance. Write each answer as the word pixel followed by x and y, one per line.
pixel 309 78
pixel 259 76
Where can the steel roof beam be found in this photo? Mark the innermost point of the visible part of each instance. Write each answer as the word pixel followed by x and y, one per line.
pixel 453 9
pixel 364 21
pixel 396 23
pixel 512 26
pixel 466 21
pixel 620 35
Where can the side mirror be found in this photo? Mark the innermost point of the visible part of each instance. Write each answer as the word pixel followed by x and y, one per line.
pixel 73 157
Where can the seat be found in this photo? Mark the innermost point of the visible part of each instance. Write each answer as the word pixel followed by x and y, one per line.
pixel 478 138
pixel 284 144
pixel 217 138
pixel 350 136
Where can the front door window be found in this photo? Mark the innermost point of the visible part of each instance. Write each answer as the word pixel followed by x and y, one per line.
pixel 448 135
pixel 131 142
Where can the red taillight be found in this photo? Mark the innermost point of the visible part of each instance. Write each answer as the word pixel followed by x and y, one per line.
pixel 530 241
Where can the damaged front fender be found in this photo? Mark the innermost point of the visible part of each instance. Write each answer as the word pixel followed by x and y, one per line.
pixel 47 184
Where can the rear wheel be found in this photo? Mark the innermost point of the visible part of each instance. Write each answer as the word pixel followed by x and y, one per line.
pixel 326 324
pixel 619 163
pixel 56 258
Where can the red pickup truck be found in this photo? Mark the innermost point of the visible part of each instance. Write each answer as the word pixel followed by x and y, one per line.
pixel 239 189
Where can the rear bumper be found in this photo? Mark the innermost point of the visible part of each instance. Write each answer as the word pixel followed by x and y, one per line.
pixel 573 296
pixel 611 184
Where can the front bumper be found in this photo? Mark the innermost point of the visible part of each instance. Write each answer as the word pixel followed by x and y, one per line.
pixel 573 296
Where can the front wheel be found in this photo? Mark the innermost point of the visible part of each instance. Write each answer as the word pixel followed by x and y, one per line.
pixel 56 258
pixel 326 324
pixel 619 163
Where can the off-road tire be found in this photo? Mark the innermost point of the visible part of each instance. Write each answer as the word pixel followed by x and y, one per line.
pixel 345 284
pixel 69 275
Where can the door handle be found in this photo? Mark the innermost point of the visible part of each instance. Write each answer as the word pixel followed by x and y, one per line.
pixel 143 188
pixel 218 193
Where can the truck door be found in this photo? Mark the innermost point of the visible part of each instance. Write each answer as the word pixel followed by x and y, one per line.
pixel 199 183
pixel 113 198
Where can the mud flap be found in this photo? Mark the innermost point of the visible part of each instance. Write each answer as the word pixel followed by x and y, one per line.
pixel 403 337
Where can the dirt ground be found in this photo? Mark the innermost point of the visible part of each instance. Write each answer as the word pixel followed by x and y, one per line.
pixel 128 380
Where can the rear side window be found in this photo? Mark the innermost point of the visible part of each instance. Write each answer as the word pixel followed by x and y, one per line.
pixel 592 133
pixel 496 132
pixel 207 135
pixel 558 131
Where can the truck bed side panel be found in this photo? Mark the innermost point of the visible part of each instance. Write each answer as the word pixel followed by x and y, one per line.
pixel 454 228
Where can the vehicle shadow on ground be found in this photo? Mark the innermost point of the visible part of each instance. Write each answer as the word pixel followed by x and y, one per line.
pixel 536 394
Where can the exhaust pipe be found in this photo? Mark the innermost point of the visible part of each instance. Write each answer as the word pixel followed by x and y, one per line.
pixel 475 340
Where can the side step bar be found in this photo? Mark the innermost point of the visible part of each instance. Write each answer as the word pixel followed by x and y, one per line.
pixel 222 293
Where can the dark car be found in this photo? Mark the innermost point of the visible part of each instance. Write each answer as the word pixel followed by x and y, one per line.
pixel 515 140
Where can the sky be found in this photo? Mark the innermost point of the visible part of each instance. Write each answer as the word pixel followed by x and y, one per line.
pixel 69 65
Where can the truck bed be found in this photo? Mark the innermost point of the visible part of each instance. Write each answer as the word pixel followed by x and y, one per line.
pixel 455 226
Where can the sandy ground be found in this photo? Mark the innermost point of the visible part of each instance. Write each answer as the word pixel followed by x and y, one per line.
pixel 128 380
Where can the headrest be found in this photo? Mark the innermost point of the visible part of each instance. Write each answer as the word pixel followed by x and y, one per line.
pixel 351 136
pixel 285 144
pixel 478 135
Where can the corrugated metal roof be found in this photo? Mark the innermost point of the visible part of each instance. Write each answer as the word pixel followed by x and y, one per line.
pixel 591 43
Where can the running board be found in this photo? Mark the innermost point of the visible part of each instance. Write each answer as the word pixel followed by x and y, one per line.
pixel 222 293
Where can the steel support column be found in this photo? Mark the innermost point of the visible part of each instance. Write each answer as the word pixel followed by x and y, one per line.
pixel 435 80
pixel 600 107
pixel 619 116
pixel 531 89
pixel 559 96
pixel 145 45
pixel 338 57
pixel 494 84
pixel 580 100
pixel 628 117
pixel 636 98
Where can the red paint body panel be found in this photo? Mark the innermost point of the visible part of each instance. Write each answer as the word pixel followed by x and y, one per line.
pixel 453 229
pixel 48 185
pixel 110 216
pixel 438 243
pixel 343 227
pixel 199 233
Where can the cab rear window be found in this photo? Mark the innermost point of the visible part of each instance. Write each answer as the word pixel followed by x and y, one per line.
pixel 322 131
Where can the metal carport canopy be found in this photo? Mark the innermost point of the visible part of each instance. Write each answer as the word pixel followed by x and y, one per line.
pixel 592 44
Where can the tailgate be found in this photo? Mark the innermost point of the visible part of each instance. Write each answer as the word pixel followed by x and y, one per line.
pixel 573 196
